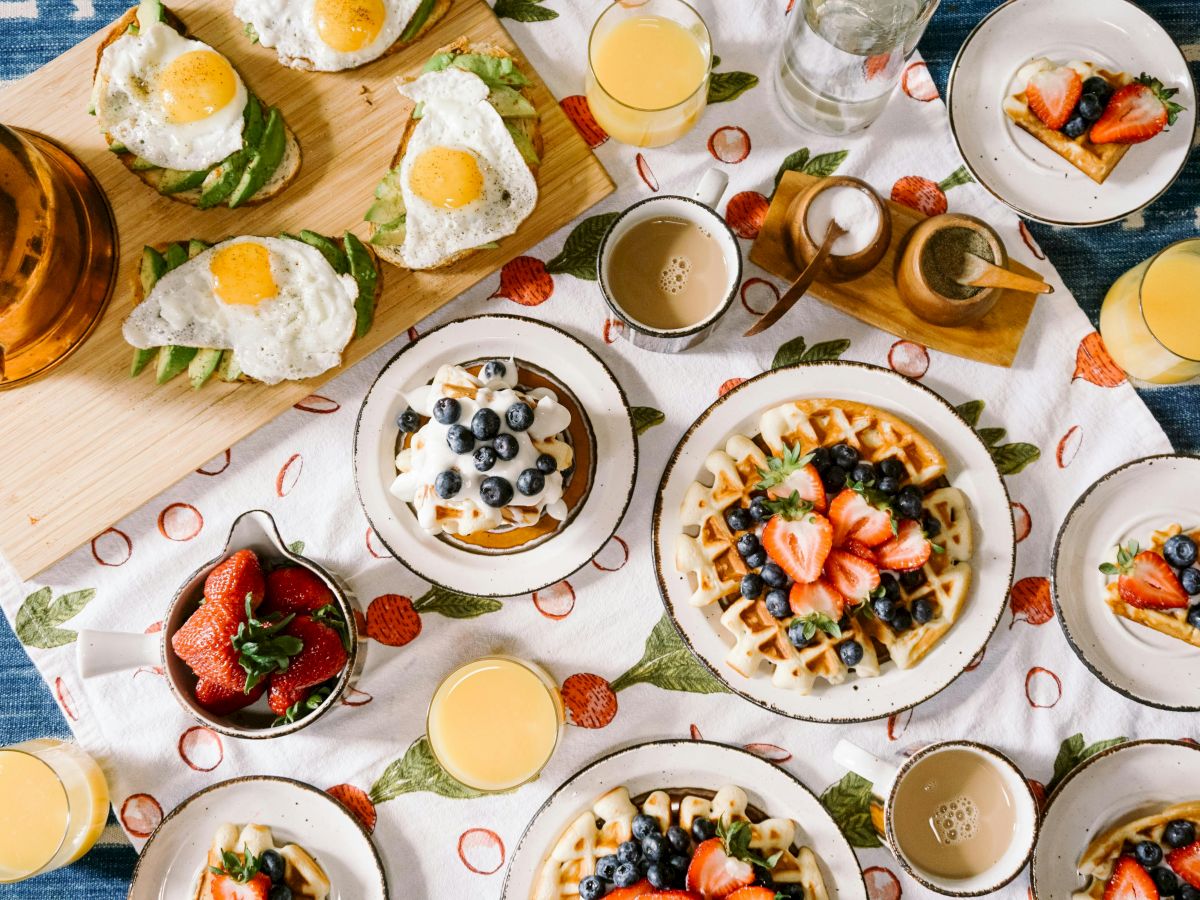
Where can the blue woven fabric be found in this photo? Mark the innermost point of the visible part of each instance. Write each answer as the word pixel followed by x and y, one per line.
pixel 1089 261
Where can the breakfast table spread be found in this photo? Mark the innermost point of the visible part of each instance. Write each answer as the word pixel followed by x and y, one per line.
pixel 1053 423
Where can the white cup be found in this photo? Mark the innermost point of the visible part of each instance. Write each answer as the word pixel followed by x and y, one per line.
pixel 699 209
pixel 886 780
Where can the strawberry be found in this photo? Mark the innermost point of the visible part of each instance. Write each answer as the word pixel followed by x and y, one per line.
pixel 908 550
pixel 228 646
pixel 1186 863
pixel 859 549
pixel 754 893
pixel 714 873
pixel 225 887
pixel 676 894
pixel 642 889
pixel 819 598
pixel 294 589
pixel 793 473
pixel 1130 882
pixel 322 657
pixel 1052 95
pixel 230 582
pixel 222 701
pixel 854 517
pixel 1136 113
pixel 852 576
pixel 282 699
pixel 799 545
pixel 1146 579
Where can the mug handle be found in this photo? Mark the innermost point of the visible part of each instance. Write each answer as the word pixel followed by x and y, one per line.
pixel 105 652
pixel 711 187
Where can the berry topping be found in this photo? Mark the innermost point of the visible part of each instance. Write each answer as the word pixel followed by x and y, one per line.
pixel 485 424
pixel 843 455
pixel 854 577
pixel 1145 579
pixel 724 863
pixel 703 829
pixel 757 559
pixel 591 888
pixel 1076 127
pixel 408 421
pixel 751 586
pixel 447 484
pixel 908 502
pixel 799 545
pixel 1185 862
pixel 793 473
pixel 817 602
pixel 1179 833
pixel 1130 882
pixel 494 369
pixel 1179 551
pixel 506 446
pixel 737 518
pixel 747 544
pixel 678 839
pixel 484 458
pixel 496 491
pixel 531 482
pixel 1148 853
pixel 1052 95
pixel 642 826
pixel 655 847
pixel 863 473
pixel 1096 86
pixel 909 549
pixel 901 620
pixel 759 511
pixel 887 485
pixel 1189 579
pixel 774 576
pixel 854 517
pixel 833 479
pixel 606 866
pixel 546 464
pixel 1091 106
pixel 884 608
pixel 446 410
pixel 519 416
pixel 922 610
pixel 910 581
pixel 272 865
pixel 851 653
pixel 891 468
pixel 1136 113
pixel 460 439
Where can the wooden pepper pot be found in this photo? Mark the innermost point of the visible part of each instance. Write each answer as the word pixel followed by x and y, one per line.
pixel 922 297
pixel 803 244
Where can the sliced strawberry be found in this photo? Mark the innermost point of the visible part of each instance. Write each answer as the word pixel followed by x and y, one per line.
pixel 1151 584
pixel 642 889
pixel 1052 95
pixel 1130 882
pixel 713 873
pixel 817 597
pixel 753 893
pixel 799 545
pixel 908 550
pixel 1185 862
pixel 675 894
pixel 1136 113
pixel 226 887
pixel 294 589
pixel 859 549
pixel 222 701
pixel 853 576
pixel 853 517
pixel 807 483
pixel 230 582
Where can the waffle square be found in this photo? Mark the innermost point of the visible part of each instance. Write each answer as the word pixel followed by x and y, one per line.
pixel 1172 622
pixel 1098 860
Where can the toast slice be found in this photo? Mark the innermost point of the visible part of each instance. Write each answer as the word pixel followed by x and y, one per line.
pixel 206 191
pixel 387 240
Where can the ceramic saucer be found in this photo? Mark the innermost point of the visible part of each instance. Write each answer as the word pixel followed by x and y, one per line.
pixel 295 812
pixel 1018 169
pixel 573 371
pixel 1127 503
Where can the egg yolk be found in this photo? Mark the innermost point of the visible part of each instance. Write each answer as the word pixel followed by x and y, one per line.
pixel 242 274
pixel 348 25
pixel 446 177
pixel 194 85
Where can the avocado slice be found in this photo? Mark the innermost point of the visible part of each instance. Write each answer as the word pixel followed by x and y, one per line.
pixel 115 146
pixel 251 33
pixel 392 237
pixel 333 254
pixel 202 366
pixel 141 359
pixel 223 178
pixel 153 268
pixel 418 20
pixel 252 119
pixel 196 247
pixel 366 276
pixel 172 181
pixel 172 359
pixel 228 369
pixel 177 255
pixel 150 11
pixel 385 212
pixel 510 103
pixel 142 165
pixel 263 161
pixel 524 144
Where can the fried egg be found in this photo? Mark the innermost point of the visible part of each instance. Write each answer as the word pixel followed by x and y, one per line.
pixel 277 303
pixel 463 180
pixel 327 35
pixel 173 101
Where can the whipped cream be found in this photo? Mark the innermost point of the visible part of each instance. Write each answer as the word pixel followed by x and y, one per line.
pixel 428 454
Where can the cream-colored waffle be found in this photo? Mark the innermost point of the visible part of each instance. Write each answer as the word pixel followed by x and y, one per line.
pixel 302 874
pixel 609 823
pixel 1097 862
pixel 711 559
pixel 1171 622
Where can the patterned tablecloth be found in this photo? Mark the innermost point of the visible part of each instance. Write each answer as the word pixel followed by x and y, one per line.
pixel 1067 420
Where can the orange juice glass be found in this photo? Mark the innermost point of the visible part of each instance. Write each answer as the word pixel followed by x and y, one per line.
pixel 1150 319
pixel 648 69
pixel 53 806
pixel 494 723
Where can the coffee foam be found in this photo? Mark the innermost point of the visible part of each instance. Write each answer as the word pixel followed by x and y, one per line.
pixel 674 276
pixel 955 821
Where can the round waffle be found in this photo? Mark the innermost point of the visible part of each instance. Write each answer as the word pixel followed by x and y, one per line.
pixel 303 875
pixel 1097 862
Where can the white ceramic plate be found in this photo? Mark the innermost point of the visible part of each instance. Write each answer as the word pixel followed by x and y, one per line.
pixel 295 813
pixel 688 764
pixel 1127 503
pixel 594 520
pixel 1150 775
pixel 1017 168
pixel 970 469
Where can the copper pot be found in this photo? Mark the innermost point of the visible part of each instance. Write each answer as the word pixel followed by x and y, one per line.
pixel 922 297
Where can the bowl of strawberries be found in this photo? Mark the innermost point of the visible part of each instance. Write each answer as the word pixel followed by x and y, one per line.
pixel 258 642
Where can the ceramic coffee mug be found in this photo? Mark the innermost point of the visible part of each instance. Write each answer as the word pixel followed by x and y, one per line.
pixel 886 811
pixel 699 209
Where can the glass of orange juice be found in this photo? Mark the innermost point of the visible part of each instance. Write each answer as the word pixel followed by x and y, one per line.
pixel 1150 320
pixel 494 723
pixel 648 68
pixel 53 806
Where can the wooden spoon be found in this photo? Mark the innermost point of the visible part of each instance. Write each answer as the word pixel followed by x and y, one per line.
pixel 978 272
pixel 800 285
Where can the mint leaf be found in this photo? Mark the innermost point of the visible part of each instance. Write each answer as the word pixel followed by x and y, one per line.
pixel 849 802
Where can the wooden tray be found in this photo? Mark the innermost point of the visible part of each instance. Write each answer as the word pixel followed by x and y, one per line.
pixel 994 339
pixel 87 444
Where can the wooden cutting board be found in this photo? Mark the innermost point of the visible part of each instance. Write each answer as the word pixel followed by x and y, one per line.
pixel 994 339
pixel 87 444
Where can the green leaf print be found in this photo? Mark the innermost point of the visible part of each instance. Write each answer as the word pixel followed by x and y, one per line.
pixel 970 411
pixel 454 605
pixel 726 86
pixel 849 802
pixel 38 617
pixel 667 663
pixel 418 770
pixel 1010 459
pixel 578 256
pixel 1073 751
pixel 296 547
pixel 797 351
pixel 523 11
pixel 645 418
pixel 821 166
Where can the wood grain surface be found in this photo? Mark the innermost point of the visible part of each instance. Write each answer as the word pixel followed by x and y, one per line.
pixel 85 445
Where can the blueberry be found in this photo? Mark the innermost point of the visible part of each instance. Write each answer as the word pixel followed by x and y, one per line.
pixel 546 464
pixel 851 653
pixel 1164 879
pixel 485 424
pixel 506 446
pixel 820 459
pixel 863 472
pixel 655 847
pixel 751 586
pixel 887 485
pixel 606 866
pixel 908 502
pixel 747 544
pixel 757 559
pixel 891 587
pixel 1098 87
pixel 494 369
pixel 795 634
pixel 631 851
pixel 446 410
pixel 910 581
pixel 678 839
pixel 778 604
pixel 931 525
pixel 774 576
pixel 484 457
pixel 1076 126
pixel 843 455
pixel 659 875
pixel 1179 833
pixel 738 518
pixel 272 865
pixel 901 620
pixel 1148 853
pixel 884 608
pixel 460 439
pixel 1091 107
pixel 644 825
pixel 627 875
pixel 496 491
pixel 519 416
pixel 922 611
pixel 1193 616
pixel 703 829
pixel 1190 579
pixel 591 888
pixel 834 478
pixel 679 863
pixel 447 484
pixel 1180 551
pixel 891 468
pixel 531 482
pixel 408 421
pixel 759 511
pixel 280 892
pixel 1187 892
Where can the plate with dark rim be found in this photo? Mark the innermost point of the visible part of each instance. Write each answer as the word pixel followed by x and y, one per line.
pixel 697 765
pixel 969 467
pixel 598 488
pixel 1152 774
pixel 296 812
pixel 1127 504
